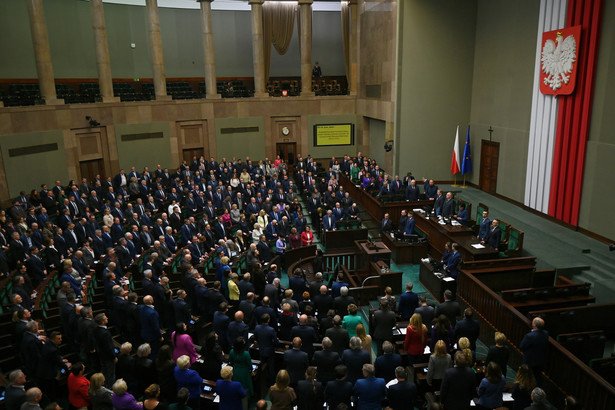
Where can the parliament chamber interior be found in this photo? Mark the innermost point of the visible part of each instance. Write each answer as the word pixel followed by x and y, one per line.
pixel 307 204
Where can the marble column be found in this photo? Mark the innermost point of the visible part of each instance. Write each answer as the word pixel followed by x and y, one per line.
pixel 354 49
pixel 42 53
pixel 258 51
pixel 153 24
pixel 305 14
pixel 103 64
pixel 211 90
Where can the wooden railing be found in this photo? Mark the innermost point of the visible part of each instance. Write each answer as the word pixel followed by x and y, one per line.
pixel 568 373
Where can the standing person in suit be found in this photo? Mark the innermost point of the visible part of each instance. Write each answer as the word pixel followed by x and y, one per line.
pixel 296 362
pixel 448 206
pixel 494 235
pixel 267 340
pixel 339 390
pixel 387 363
pixel 310 391
pixel 306 334
pixel 412 191
pixel 534 347
pixel 150 325
pixel 408 301
pixel 403 393
pixel 31 348
pixel 453 261
pixel 15 391
pixel 105 348
pixel 326 360
pixel 386 224
pixel 329 222
pixel 449 308
pixel 338 335
pixel 383 324
pixel 231 392
pixel 483 228
pixel 370 391
pixel 468 327
pixel 51 365
pixel 458 385
pixel 354 358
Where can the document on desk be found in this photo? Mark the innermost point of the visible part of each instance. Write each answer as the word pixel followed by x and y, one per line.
pixel 448 279
pixel 478 246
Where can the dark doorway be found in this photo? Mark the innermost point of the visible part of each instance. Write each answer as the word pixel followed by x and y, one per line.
pixel 287 151
pixel 89 169
pixel 489 157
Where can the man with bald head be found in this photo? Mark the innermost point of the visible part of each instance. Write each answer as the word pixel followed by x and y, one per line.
pixel 237 328
pixel 150 325
pixel 323 301
pixel 296 361
pixel 306 333
pixel 534 347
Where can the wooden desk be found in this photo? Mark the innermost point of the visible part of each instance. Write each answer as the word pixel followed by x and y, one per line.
pixel 381 252
pixel 434 285
pixel 404 253
pixel 439 235
pixel 340 239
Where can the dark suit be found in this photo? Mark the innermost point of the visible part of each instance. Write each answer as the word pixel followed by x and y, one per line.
pixel 534 347
pixel 458 388
pixel 402 396
pixel 106 354
pixel 383 324
pixel 267 340
pixel 452 264
pixel 370 392
pixel 308 337
pixel 447 207
pixel 354 360
pixel 296 362
pixel 386 225
pixel 408 302
pixel 322 304
pixel 493 237
pixel 338 391
pixel 150 327
pixel 468 328
pixel 385 366
pixel 31 351
pixel 340 339
pixel 325 361
pixel 341 304
pixel 450 309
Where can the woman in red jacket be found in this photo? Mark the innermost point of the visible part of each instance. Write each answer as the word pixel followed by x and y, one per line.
pixel 78 385
pixel 307 236
pixel 416 338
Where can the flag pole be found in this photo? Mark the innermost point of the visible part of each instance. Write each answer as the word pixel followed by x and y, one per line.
pixel 455 184
pixel 464 182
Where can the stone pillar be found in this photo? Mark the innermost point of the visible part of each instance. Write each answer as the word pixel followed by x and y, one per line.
pixel 153 24
pixel 42 53
pixel 258 51
pixel 353 84
pixel 211 90
pixel 103 64
pixel 305 14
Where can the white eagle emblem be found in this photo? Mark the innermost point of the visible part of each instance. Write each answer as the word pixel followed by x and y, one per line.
pixel 557 60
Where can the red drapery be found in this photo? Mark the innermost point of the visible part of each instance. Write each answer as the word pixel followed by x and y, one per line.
pixel 574 115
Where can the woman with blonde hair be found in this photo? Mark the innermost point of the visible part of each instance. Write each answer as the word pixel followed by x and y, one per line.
pixel 190 379
pixel 439 361
pixel 263 218
pixel 256 233
pixel 366 340
pixel 525 382
pixel 100 396
pixel 232 394
pixel 281 395
pixel 500 352
pixel 464 346
pixel 416 338
pixel 121 399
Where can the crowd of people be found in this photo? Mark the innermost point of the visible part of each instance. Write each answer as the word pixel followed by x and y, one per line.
pixel 138 351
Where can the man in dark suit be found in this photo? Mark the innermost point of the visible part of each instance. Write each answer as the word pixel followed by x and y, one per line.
pixel 448 206
pixel 494 235
pixel 237 328
pixel 338 336
pixel 412 191
pixel 468 327
pixel 105 348
pixel 342 302
pixel 484 226
pixel 370 391
pixel 296 361
pixel 150 326
pixel 329 221
pixel 31 348
pixel 50 365
pixel 408 301
pixel 534 347
pixel 264 251
pixel 323 301
pixel 386 363
pixel 267 340
pixel 458 385
pixel 449 308
pixel 15 392
pixel 453 262
pixel 325 361
pixel 354 358
pixel 247 307
pixel 339 390
pixel 386 224
pixel 383 323
pixel 402 394
pixel 410 223
pixel 306 334
pixel 220 326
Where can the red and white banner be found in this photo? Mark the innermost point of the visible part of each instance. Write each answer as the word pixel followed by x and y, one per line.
pixel 559 56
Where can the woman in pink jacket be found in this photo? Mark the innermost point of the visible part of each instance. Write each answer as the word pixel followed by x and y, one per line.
pixel 182 344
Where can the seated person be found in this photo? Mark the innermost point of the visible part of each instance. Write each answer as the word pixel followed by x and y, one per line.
pixel 462 215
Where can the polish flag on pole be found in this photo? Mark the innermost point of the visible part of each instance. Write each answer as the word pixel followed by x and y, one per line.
pixel 455 161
